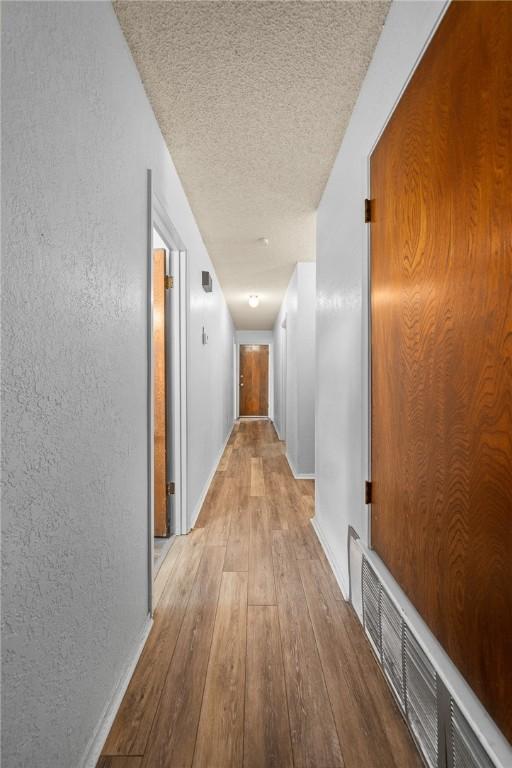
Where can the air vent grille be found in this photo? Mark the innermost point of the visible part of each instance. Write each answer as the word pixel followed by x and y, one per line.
pixel 371 605
pixel 421 698
pixel 443 736
pixel 392 632
pixel 466 750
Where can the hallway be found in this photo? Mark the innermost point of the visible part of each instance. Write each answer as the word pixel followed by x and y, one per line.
pixel 254 658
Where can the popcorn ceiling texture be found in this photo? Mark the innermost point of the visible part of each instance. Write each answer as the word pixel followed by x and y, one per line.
pixel 253 99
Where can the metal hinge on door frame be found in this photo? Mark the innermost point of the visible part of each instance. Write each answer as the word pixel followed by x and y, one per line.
pixel 171 489
pixel 169 281
pixel 367 211
pixel 368 492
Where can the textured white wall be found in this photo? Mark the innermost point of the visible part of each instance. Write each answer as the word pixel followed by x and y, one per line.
pixel 77 137
pixel 254 337
pixel 340 415
pixel 280 372
pixel 210 406
pixel 305 365
pixel 285 384
pixel 299 348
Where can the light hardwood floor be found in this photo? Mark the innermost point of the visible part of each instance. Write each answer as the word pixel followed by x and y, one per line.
pixel 255 660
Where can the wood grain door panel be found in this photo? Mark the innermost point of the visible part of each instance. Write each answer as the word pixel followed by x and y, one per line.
pixel 253 380
pixel 441 310
pixel 161 527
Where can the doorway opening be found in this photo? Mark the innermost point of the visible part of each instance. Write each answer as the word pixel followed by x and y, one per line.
pixel 253 380
pixel 163 485
pixel 167 386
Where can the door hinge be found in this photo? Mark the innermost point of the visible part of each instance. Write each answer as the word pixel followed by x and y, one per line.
pixel 169 281
pixel 170 489
pixel 367 211
pixel 367 492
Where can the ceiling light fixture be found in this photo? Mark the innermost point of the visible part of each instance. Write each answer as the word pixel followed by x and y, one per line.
pixel 253 300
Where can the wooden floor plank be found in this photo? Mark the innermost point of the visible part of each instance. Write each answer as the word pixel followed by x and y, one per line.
pixel 237 552
pixel 115 761
pixel 305 542
pixel 224 462
pixel 314 738
pixel 277 497
pixel 306 487
pixel 210 502
pixel 278 671
pixel 235 463
pixel 167 568
pixel 261 567
pixel 220 734
pixel 220 518
pixel 130 731
pixel 244 476
pixel 257 481
pixel 174 730
pixel 267 729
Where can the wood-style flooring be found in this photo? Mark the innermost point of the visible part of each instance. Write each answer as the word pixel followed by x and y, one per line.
pixel 254 659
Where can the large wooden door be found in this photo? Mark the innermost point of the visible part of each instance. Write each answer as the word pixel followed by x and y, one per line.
pixel 253 380
pixel 161 526
pixel 441 318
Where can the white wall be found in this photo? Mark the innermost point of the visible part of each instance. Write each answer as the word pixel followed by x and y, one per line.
pixel 77 138
pixel 297 425
pixel 254 337
pixel 280 355
pixel 341 235
pixel 210 392
pixel 304 362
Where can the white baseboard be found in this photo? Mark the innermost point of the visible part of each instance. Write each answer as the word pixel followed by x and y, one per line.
pixel 299 475
pixel 277 430
pixel 329 555
pixel 202 497
pixel 93 750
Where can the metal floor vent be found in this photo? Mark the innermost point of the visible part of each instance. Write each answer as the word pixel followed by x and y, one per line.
pixel 442 734
pixel 371 606
pixel 421 704
pixel 392 639
pixel 464 749
pixel 411 676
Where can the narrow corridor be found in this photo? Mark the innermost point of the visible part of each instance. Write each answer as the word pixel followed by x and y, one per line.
pixel 254 658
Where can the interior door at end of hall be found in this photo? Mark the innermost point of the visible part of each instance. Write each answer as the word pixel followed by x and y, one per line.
pixel 441 345
pixel 253 380
pixel 161 517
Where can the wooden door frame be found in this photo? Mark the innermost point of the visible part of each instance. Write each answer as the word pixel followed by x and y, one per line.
pixel 176 368
pixel 270 409
pixel 449 676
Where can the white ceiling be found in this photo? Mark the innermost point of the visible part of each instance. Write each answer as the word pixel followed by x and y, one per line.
pixel 253 99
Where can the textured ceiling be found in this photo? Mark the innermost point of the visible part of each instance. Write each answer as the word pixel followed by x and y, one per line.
pixel 253 99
